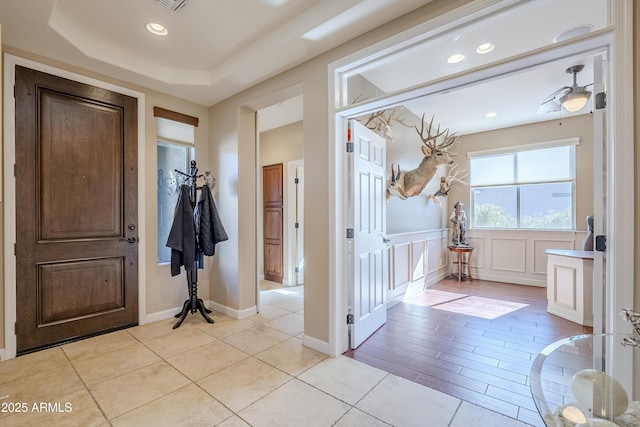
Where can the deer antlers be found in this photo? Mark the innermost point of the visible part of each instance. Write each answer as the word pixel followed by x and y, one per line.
pixel 430 140
pixel 381 122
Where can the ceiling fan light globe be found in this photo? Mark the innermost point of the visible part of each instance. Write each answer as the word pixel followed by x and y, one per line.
pixel 575 101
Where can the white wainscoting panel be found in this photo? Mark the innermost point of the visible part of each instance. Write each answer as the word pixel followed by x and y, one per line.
pixel 570 287
pixel 517 256
pixel 436 258
pixel 565 287
pixel 401 275
pixel 539 248
pixel 479 251
pixel 509 254
pixel 419 257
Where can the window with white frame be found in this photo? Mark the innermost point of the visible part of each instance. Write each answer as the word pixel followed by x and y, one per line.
pixel 529 187
pixel 175 150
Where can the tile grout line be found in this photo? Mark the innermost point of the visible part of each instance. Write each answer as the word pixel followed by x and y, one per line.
pixel 86 386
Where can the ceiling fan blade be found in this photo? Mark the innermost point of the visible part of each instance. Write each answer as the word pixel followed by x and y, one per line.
pixel 557 94
pixel 550 106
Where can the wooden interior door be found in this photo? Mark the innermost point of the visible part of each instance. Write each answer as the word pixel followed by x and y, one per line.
pixel 273 222
pixel 76 202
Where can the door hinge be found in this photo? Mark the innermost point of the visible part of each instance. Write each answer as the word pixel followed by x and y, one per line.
pixel 296 181
pixel 349 147
pixel 349 233
pixel 296 225
pixel 15 328
pixel 601 100
pixel 296 270
pixel 350 319
pixel 601 243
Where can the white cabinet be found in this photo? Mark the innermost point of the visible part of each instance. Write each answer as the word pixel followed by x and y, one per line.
pixel 570 285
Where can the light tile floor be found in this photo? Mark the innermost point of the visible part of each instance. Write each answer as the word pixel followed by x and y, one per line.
pixel 251 372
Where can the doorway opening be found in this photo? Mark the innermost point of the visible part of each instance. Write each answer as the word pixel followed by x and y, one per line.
pixel 280 188
pixel 350 76
pixel 10 201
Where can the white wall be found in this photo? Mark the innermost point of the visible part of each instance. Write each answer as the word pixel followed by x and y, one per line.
pixel 233 153
pixel 416 213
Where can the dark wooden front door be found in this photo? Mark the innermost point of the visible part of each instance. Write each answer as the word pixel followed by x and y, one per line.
pixel 76 210
pixel 273 197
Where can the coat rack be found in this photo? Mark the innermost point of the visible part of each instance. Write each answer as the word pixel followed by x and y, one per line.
pixel 194 303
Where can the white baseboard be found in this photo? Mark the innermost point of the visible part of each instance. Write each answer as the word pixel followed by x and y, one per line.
pixel 542 283
pixel 316 344
pixel 169 313
pixel 231 312
pixel 162 315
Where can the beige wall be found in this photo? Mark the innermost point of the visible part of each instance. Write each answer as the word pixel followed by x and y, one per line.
pixel 234 151
pixel 636 91
pixel 162 291
pixel 225 145
pixel 282 145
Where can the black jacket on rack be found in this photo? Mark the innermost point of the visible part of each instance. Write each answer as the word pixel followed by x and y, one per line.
pixel 182 237
pixel 208 225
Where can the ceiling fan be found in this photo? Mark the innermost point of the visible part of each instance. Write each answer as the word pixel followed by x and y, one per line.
pixel 571 98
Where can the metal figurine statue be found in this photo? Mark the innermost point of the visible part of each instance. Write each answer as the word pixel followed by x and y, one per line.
pixel 459 220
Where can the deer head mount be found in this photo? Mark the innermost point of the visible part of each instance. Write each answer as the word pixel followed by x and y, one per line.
pixel 381 122
pixel 435 150
pixel 455 176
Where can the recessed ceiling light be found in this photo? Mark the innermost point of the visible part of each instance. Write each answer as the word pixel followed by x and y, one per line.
pixel 485 48
pixel 455 58
pixel 573 32
pixel 157 29
pixel 490 114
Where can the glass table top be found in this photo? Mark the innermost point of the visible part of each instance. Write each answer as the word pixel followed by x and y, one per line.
pixel 588 380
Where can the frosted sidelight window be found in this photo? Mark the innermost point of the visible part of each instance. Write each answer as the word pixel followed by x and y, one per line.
pixel 175 151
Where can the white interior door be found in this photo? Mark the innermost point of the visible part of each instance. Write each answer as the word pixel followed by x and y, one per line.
pixel 369 255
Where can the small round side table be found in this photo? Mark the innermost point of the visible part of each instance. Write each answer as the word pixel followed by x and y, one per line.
pixel 462 259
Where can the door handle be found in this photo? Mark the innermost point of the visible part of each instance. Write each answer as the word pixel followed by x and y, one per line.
pixel 129 240
pixel 385 240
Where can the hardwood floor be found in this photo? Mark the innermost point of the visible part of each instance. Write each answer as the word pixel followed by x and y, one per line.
pixel 480 360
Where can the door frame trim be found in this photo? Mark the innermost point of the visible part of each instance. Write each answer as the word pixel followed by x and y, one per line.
pixel 620 116
pixel 290 219
pixel 9 154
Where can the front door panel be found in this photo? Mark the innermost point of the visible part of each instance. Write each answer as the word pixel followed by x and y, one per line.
pixel 76 201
